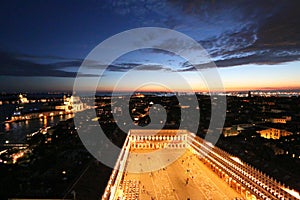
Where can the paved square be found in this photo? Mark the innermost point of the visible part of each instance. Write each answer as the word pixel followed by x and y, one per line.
pixel 186 178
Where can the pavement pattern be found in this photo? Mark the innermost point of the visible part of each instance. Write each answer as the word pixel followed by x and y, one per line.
pixel 187 178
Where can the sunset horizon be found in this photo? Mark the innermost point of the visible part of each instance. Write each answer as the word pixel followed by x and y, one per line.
pixel 150 99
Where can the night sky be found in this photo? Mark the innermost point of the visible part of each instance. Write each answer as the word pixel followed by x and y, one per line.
pixel 255 44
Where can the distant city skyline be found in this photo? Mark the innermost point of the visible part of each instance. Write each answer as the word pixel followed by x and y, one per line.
pixel 254 44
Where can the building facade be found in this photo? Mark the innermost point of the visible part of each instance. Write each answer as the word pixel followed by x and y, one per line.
pixel 274 133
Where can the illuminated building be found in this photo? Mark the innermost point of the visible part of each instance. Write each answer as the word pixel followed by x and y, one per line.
pixel 230 131
pixel 273 133
pixel 23 99
pixel 199 171
pixel 71 104
pixel 282 120
pixel 144 139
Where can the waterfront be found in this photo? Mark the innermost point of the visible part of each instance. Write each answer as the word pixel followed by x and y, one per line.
pixel 41 157
pixel 54 161
pixel 16 132
pixel 168 100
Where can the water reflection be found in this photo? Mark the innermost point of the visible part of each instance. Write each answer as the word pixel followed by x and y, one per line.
pixel 27 123
pixel 45 122
pixel 16 132
pixel 7 127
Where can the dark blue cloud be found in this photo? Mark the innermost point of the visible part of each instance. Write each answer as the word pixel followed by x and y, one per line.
pixel 19 65
pixel 233 32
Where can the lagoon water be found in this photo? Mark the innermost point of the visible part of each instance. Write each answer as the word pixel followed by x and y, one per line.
pixel 16 132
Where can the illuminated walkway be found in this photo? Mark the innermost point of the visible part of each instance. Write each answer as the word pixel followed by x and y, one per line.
pixel 171 181
pixel 247 180
pixel 172 164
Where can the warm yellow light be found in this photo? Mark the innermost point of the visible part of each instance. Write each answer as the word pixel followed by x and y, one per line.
pixel 236 159
pixel 16 156
pixel 292 192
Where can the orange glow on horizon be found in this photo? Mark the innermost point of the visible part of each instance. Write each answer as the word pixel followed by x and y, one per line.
pixel 226 89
